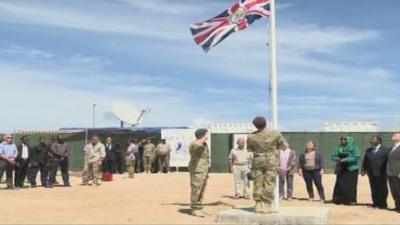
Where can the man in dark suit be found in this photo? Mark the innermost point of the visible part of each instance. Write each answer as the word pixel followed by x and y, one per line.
pixel 111 156
pixel 38 161
pixel 22 161
pixel 393 170
pixel 374 165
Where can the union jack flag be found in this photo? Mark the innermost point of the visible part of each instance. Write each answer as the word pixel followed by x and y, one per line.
pixel 238 17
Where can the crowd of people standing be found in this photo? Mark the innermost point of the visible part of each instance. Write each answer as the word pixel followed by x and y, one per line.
pixel 22 162
pixel 381 165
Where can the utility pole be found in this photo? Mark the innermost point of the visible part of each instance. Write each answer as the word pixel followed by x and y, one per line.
pixel 94 115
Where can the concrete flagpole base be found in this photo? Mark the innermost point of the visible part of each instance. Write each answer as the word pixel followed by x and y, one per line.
pixel 285 216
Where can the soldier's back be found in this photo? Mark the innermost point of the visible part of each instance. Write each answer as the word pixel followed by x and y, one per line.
pixel 265 146
pixel 264 141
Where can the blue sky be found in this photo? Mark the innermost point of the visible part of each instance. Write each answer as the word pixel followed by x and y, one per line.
pixel 338 61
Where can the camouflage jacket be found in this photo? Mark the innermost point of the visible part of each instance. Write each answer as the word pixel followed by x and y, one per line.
pixel 265 147
pixel 199 158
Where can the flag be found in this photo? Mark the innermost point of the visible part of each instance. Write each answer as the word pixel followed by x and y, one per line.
pixel 238 17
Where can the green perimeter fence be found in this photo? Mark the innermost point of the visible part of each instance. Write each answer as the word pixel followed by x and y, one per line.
pixel 77 140
pixel 326 142
pixel 220 144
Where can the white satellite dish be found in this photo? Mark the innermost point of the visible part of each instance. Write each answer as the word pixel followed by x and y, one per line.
pixel 128 114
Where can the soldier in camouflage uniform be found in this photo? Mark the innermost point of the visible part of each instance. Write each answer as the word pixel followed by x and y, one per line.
pixel 198 169
pixel 264 143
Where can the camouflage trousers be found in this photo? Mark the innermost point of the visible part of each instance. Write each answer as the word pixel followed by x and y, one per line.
pixel 147 160
pixel 91 171
pixel 198 184
pixel 264 184
pixel 130 167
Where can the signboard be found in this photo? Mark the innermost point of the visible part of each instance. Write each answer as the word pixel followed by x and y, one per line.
pixel 179 140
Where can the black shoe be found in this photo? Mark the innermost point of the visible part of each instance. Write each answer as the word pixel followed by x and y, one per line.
pixel 381 206
pixel 33 186
pixel 67 185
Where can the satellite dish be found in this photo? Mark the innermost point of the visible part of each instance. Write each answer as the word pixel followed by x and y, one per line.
pixel 128 114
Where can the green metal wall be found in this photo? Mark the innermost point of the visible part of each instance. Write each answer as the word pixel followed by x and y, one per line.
pixel 326 142
pixel 220 144
pixel 76 141
pixel 220 147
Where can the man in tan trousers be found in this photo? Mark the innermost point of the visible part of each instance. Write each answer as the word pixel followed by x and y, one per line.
pixel 94 155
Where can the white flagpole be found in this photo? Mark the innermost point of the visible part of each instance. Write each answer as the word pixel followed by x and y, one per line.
pixel 274 86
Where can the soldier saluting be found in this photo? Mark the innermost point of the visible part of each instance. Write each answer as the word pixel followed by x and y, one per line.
pixel 264 143
pixel 198 169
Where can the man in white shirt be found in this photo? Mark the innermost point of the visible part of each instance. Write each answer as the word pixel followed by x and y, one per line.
pixel 240 160
pixel 130 158
pixel 110 160
pixel 374 165
pixel 8 155
pixel 22 165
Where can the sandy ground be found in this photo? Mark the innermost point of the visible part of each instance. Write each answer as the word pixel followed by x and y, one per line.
pixel 159 199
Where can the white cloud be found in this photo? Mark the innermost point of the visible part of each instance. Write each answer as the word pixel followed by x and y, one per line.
pixel 73 18
pixel 314 38
pixel 201 122
pixel 166 6
pixel 35 104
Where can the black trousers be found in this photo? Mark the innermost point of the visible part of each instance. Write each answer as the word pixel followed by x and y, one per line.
pixel 64 167
pixel 110 166
pixel 139 163
pixel 9 169
pixel 379 190
pixel 44 173
pixel 314 176
pixel 345 191
pixel 394 184
pixel 21 171
pixel 120 164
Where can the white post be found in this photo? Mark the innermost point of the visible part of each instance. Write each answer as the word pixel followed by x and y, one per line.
pixel 274 86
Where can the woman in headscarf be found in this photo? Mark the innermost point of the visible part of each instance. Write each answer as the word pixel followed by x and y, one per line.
pixel 346 156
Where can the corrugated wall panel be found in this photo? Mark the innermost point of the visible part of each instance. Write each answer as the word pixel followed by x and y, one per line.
pixel 326 142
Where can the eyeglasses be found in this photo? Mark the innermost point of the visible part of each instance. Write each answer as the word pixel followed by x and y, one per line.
pixel 8 137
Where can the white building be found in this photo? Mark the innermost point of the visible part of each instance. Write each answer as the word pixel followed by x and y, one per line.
pixel 351 126
pixel 232 128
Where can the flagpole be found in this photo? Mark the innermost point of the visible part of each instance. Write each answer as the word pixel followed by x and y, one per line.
pixel 274 86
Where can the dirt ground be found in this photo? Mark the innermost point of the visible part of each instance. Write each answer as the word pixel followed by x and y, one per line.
pixel 160 199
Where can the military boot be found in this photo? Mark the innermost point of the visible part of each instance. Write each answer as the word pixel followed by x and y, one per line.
pixel 259 207
pixel 267 208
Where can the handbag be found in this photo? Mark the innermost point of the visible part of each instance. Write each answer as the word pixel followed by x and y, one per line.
pixel 250 175
pixel 107 176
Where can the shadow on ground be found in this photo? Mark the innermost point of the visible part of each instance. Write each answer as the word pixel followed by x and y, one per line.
pixel 188 211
